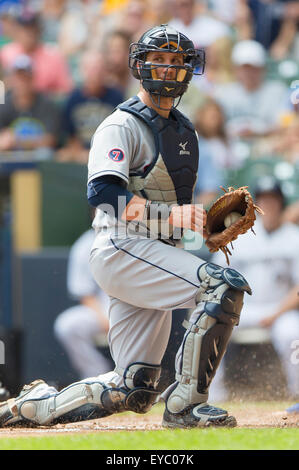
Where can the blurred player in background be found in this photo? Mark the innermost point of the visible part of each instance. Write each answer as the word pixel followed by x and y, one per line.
pixel 142 172
pixel 270 262
pixel 79 328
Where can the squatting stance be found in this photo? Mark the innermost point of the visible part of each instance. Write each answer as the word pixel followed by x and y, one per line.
pixel 142 170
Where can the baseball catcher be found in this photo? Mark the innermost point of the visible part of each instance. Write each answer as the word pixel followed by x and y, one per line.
pixel 142 187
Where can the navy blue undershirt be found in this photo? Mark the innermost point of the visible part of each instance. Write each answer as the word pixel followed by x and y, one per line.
pixel 106 190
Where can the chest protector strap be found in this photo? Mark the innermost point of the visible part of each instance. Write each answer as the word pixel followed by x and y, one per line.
pixel 171 176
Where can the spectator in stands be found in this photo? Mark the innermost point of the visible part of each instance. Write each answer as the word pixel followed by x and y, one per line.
pixel 201 28
pixel 9 11
pixel 210 125
pixel 78 28
pixel 115 51
pixel 286 141
pixel 158 12
pixel 248 103
pixel 213 151
pixel 270 263
pixel 210 177
pixel 133 18
pixel 225 10
pixel 50 70
pixel 291 213
pixel 86 107
pixel 28 120
pixel 79 328
pixel 219 68
pixel 274 24
pixel 52 13
pixel 194 97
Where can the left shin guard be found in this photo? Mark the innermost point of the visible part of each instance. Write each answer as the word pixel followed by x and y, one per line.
pixel 207 335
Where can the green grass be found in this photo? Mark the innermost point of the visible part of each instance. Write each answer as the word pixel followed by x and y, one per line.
pixel 205 439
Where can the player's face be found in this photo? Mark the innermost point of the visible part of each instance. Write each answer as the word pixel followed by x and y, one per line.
pixel 165 58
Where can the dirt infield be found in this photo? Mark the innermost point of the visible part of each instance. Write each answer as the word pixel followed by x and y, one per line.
pixel 248 416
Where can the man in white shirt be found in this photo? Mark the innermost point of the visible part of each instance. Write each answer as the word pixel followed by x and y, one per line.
pixel 202 29
pixel 252 104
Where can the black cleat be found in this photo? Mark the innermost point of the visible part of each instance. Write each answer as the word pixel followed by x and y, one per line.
pixel 200 415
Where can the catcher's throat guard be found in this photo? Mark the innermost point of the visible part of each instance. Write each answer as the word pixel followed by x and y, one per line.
pixel 234 200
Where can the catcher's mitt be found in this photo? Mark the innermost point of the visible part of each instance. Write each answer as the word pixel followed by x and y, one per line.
pixel 234 200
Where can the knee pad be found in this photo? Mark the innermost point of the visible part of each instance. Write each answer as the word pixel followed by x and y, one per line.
pixel 139 392
pixel 222 290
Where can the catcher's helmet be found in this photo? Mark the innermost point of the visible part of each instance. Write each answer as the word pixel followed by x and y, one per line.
pixel 164 38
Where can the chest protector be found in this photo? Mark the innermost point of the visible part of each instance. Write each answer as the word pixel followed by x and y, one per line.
pixel 171 176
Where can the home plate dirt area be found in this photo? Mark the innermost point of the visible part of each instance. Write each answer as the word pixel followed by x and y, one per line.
pixel 248 415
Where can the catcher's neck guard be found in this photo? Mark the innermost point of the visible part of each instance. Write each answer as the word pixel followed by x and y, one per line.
pixel 165 39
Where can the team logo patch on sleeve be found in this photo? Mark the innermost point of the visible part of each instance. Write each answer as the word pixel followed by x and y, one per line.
pixel 117 155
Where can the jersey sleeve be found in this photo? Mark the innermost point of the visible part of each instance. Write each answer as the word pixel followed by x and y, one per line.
pixel 111 152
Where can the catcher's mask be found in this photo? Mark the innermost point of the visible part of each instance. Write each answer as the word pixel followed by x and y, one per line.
pixel 165 39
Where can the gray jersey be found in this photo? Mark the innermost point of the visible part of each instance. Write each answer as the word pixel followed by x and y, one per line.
pixel 124 145
pixel 121 144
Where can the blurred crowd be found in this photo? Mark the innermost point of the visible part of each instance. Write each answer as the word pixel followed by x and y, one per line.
pixel 64 67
